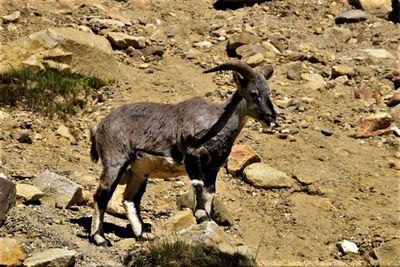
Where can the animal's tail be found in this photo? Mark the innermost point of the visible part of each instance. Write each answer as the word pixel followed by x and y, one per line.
pixel 94 155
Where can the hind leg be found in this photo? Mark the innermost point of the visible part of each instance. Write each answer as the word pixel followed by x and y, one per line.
pixel 108 182
pixel 135 188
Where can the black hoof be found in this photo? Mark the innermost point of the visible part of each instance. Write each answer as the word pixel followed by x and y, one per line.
pixel 203 219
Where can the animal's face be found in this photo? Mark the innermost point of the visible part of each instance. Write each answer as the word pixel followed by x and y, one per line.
pixel 256 93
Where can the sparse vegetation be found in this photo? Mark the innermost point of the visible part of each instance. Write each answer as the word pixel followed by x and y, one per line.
pixel 49 92
pixel 181 254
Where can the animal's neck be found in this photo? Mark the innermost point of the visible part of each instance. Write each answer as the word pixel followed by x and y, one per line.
pixel 232 120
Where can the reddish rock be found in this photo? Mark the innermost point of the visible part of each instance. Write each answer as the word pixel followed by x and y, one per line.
pixel 7 198
pixel 241 156
pixel 242 39
pixel 368 95
pixel 374 125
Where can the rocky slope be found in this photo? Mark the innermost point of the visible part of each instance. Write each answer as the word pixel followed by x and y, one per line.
pixel 337 84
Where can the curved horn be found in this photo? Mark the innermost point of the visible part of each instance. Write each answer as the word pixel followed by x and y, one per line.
pixel 245 70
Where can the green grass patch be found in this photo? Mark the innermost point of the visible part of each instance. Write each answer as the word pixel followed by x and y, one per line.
pixel 48 92
pixel 180 254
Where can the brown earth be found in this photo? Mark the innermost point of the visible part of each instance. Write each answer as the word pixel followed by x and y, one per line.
pixel 347 188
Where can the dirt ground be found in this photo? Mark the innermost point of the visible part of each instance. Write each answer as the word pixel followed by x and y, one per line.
pixel 346 187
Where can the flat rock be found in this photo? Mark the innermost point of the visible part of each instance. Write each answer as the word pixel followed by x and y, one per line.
pixel 55 257
pixel 388 254
pixel 11 253
pixel 240 157
pixel 338 33
pixel 211 235
pixel 374 125
pixel 263 176
pixel 156 50
pixel 183 219
pixel 123 40
pixel 63 131
pixel 340 70
pixel 7 198
pixel 108 23
pixel 27 193
pixel 314 81
pixel 255 60
pixel 246 51
pixel 58 190
pixel 378 53
pixel 351 16
pixel 220 214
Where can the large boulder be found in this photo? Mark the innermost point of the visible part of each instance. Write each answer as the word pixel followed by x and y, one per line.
pixel 58 190
pixel 263 176
pixel 7 198
pixel 84 52
pixel 380 8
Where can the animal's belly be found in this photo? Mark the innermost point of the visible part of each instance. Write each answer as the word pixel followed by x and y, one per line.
pixel 156 166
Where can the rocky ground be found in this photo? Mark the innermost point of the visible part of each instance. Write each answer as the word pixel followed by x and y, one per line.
pixel 337 149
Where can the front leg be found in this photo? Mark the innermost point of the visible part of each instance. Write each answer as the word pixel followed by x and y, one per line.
pixel 194 162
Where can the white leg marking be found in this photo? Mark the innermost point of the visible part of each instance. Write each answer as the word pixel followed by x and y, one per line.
pixel 133 217
pixel 208 200
pixel 95 221
pixel 197 182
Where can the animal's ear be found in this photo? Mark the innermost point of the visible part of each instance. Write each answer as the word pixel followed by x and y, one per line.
pixel 240 82
pixel 267 71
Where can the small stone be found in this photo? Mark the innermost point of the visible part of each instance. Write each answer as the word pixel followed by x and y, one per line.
pixel 255 60
pixel 4 115
pixel 369 96
pixel 115 205
pixel 347 247
pixel 203 45
pixel 315 81
pixel 246 51
pixel 52 257
pixel 122 40
pixel 294 70
pixel 7 198
pixel 263 176
pixel 144 66
pixel 12 17
pixel 240 39
pixel 156 50
pixel 27 193
pixel 393 100
pixel 59 191
pixel 326 131
pixel 374 125
pixel 240 157
pixel 379 8
pixel 64 8
pixel 11 253
pixel 108 23
pixel 341 70
pixel 338 33
pixel 351 16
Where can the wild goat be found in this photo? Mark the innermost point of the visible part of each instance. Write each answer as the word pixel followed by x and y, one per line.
pixel 141 140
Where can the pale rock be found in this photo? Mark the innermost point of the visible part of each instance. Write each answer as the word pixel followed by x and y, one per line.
pixel 115 205
pixel 246 51
pixel 387 254
pixel 240 39
pixel 7 198
pixel 56 257
pixel 263 176
pixel 240 157
pixel 374 124
pixel 338 33
pixel 181 220
pixel 63 131
pixel 379 8
pixel 86 53
pixel 211 235
pixel 347 247
pixel 340 70
pixel 255 60
pixel 369 96
pixel 203 45
pixel 27 192
pixel 62 67
pixel 351 16
pixel 123 40
pixel 11 253
pixel 294 70
pixel 379 53
pixel 4 115
pixel 108 23
pixel 314 81
pixel 84 28
pixel 12 17
pixel 58 190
